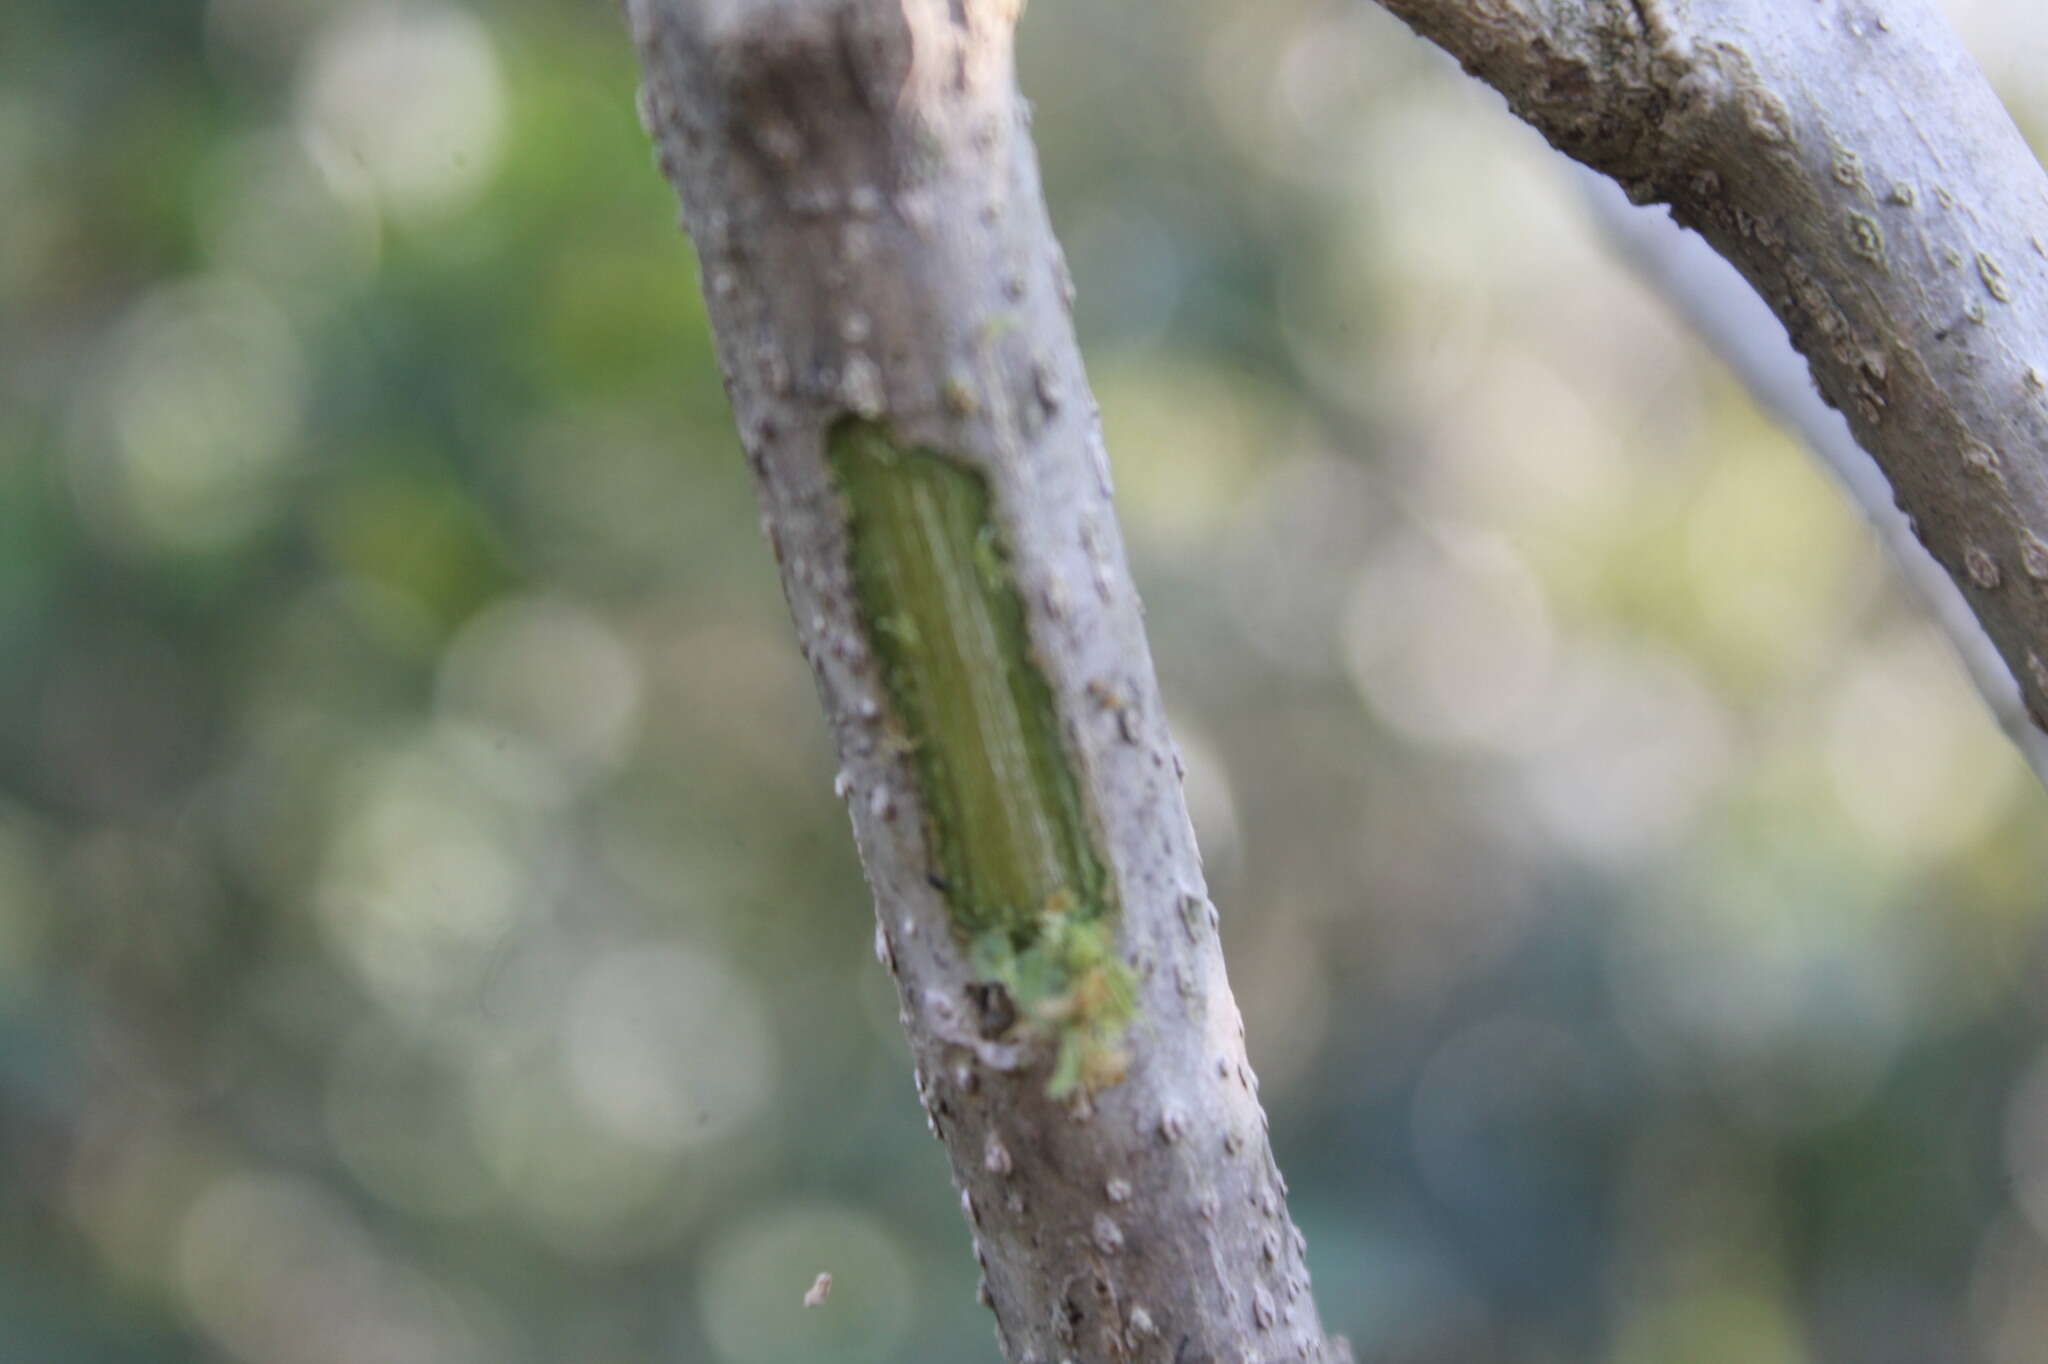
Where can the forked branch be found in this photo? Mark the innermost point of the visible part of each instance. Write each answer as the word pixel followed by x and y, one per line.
pixel 1850 160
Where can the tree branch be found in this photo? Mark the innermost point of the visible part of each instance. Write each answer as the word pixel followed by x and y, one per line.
pixel 890 310
pixel 1850 160
pixel 1732 320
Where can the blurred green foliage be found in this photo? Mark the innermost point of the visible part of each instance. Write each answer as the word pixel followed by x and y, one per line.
pixel 426 929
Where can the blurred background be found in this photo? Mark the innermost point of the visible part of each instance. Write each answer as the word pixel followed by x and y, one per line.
pixel 427 933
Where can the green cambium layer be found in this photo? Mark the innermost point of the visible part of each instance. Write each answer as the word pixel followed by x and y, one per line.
pixel 1008 830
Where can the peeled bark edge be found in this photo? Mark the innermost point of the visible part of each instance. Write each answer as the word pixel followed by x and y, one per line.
pixel 859 180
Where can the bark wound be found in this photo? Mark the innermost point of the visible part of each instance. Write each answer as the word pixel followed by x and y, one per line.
pixel 1015 861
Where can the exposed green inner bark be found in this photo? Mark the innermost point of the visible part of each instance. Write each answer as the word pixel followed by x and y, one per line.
pixel 1005 819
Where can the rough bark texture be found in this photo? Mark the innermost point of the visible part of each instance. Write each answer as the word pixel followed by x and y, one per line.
pixel 1708 293
pixel 1850 160
pixel 860 183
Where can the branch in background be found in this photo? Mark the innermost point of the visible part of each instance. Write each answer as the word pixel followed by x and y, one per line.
pixel 1729 316
pixel 1851 161
pixel 890 310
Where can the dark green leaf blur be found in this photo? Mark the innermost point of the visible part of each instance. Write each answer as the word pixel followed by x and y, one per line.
pixel 427 931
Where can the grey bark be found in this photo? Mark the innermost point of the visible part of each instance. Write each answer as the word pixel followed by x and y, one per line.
pixel 1731 319
pixel 860 183
pixel 1850 160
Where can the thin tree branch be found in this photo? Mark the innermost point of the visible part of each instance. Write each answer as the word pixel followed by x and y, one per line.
pixel 1731 319
pixel 1850 160
pixel 890 310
